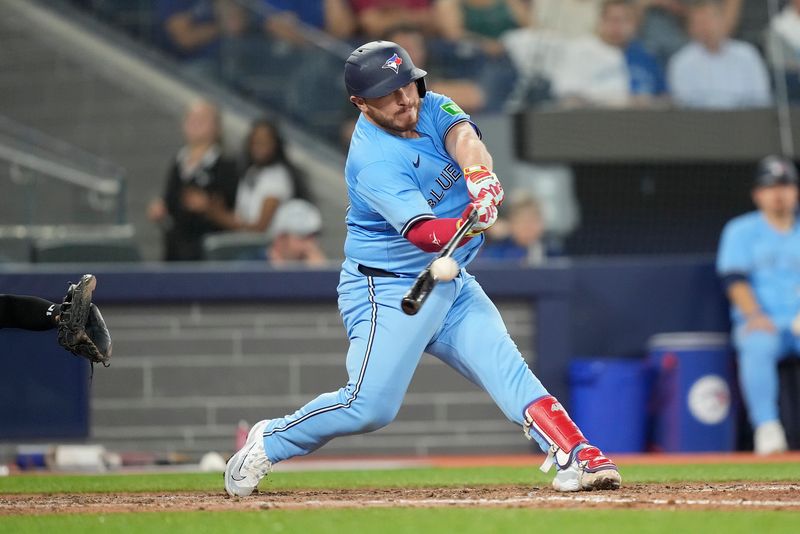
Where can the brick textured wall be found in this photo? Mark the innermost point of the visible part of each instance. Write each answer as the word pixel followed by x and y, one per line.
pixel 184 375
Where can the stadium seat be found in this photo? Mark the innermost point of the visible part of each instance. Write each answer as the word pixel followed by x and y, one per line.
pixel 227 246
pixel 86 249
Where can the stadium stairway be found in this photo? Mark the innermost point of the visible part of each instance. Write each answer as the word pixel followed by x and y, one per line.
pixel 183 376
pixel 80 82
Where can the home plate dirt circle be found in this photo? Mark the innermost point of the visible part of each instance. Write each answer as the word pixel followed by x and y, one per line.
pixel 744 495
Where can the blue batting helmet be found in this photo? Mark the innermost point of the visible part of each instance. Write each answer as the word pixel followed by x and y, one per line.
pixel 378 68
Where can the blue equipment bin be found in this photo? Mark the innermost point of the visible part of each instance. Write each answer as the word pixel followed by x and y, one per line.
pixel 692 403
pixel 608 402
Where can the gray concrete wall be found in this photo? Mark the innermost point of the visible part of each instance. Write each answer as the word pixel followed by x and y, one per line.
pixel 184 375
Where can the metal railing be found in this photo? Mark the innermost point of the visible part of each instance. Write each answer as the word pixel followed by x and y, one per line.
pixel 47 182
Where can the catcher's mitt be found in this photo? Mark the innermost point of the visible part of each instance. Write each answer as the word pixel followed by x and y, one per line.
pixel 81 328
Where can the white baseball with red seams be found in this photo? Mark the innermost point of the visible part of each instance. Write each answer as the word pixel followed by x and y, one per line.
pixel 444 269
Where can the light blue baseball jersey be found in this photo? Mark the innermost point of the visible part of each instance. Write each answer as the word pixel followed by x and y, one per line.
pixel 769 259
pixel 394 183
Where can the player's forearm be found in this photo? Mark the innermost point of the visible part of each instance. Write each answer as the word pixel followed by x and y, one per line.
pixel 741 295
pixel 470 152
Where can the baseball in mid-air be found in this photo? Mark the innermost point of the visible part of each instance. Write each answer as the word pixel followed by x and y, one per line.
pixel 444 269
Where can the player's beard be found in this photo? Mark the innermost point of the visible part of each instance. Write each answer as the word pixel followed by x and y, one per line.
pixel 400 122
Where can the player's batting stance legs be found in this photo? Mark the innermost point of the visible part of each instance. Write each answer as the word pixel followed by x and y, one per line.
pixel 419 182
pixel 460 326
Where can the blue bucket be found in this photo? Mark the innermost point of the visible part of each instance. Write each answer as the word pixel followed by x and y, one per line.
pixel 608 400
pixel 692 403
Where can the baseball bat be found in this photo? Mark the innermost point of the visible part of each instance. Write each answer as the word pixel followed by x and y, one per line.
pixel 425 282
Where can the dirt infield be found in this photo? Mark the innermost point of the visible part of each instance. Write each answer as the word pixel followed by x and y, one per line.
pixel 761 496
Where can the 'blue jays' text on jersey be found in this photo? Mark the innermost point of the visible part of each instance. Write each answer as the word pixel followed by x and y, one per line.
pixel 394 183
pixel 769 259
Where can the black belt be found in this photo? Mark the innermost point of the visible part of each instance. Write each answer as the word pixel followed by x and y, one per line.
pixel 371 271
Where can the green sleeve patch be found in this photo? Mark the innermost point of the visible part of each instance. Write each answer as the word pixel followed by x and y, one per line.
pixel 452 108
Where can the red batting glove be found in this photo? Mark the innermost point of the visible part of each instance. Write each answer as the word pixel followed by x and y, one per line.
pixel 483 182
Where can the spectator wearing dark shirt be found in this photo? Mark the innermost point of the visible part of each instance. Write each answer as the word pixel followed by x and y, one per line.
pixel 200 179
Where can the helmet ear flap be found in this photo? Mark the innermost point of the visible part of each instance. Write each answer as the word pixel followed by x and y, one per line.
pixel 421 87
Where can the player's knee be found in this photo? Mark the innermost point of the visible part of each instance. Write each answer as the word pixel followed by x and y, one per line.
pixel 377 416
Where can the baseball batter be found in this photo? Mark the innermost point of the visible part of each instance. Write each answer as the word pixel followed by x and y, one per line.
pixel 415 168
pixel 759 262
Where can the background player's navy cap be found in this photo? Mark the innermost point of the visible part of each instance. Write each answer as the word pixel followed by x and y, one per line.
pixel 775 170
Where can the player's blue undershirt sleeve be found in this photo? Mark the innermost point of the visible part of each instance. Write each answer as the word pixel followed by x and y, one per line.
pixel 394 194
pixel 734 258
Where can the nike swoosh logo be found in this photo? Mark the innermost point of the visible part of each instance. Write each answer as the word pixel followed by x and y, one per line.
pixel 416 163
pixel 241 464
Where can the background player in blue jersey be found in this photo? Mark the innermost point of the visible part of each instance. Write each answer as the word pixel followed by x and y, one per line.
pixel 759 261
pixel 415 168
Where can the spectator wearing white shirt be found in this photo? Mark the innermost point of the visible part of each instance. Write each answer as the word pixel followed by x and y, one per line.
pixel 269 180
pixel 593 69
pixel 569 18
pixel 714 71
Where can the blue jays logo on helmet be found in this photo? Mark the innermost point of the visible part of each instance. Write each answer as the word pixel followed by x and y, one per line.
pixel 393 63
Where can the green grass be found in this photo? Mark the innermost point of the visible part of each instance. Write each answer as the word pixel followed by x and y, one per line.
pixel 423 477
pixel 399 520
pixel 393 520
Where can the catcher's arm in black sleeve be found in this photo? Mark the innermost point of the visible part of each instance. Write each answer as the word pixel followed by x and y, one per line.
pixel 81 328
pixel 28 313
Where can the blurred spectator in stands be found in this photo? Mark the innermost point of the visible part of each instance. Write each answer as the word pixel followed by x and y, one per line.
pixel 470 96
pixel 483 21
pixel 332 16
pixel 609 67
pixel 376 17
pixel 759 263
pixel 663 30
pixel 294 235
pixel 199 180
pixel 269 180
pixel 714 71
pixel 784 46
pixel 536 51
pixel 195 31
pixel 519 238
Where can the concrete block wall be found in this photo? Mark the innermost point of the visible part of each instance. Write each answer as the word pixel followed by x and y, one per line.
pixel 184 375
